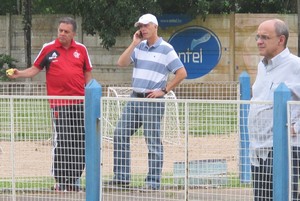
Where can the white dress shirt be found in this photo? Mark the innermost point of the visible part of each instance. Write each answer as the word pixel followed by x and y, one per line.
pixel 283 68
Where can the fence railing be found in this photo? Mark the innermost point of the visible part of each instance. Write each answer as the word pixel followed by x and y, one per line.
pixel 205 163
pixel 207 146
pixel 27 145
pixel 201 90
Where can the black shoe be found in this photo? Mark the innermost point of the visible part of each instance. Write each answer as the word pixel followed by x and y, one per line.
pixel 75 188
pixel 116 183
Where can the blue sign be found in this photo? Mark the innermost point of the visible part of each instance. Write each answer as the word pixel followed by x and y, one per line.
pixel 198 48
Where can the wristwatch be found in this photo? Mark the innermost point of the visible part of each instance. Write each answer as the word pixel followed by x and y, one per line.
pixel 164 90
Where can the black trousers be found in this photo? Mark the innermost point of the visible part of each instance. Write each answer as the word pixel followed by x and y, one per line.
pixel 69 143
pixel 262 179
pixel 295 173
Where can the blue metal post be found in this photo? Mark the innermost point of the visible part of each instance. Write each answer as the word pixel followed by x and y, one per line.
pixel 245 167
pixel 93 93
pixel 280 144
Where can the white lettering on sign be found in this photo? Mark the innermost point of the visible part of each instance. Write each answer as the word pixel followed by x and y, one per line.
pixel 191 57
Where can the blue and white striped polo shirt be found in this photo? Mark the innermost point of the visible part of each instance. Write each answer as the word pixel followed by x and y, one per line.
pixel 152 65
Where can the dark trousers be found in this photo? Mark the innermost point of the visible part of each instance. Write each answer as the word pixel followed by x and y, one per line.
pixel 295 173
pixel 262 179
pixel 69 143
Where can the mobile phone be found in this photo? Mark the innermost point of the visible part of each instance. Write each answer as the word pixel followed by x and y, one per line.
pixel 141 35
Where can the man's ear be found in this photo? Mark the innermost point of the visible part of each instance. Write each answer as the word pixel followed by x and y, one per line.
pixel 282 39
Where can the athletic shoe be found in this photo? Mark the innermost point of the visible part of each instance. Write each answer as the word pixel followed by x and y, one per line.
pixel 75 188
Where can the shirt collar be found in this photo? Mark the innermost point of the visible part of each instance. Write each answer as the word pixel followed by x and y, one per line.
pixel 58 44
pixel 275 61
pixel 156 44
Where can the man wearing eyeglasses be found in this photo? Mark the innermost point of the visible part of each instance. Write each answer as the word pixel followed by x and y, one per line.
pixel 277 66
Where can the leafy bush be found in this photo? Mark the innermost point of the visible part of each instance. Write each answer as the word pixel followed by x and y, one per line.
pixel 6 62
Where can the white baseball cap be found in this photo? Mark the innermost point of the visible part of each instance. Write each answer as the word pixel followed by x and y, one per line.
pixel 146 19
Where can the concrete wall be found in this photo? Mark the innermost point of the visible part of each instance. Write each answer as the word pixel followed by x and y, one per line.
pixel 236 33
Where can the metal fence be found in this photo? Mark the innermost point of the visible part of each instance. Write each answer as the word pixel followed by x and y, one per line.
pixel 207 146
pixel 203 158
pixel 201 90
pixel 205 138
pixel 210 140
pixel 26 148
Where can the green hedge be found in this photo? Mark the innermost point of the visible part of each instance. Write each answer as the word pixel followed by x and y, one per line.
pixel 6 62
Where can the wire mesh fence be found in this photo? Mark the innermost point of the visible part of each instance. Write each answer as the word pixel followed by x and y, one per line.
pixel 23 88
pixel 201 90
pixel 200 132
pixel 40 147
pixel 294 148
pixel 203 165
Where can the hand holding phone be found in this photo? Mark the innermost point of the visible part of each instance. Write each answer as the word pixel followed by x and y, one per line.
pixel 140 35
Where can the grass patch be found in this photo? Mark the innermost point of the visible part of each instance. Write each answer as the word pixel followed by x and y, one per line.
pixel 25 119
pixel 138 180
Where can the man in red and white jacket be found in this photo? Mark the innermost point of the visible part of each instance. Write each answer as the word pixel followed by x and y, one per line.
pixel 68 68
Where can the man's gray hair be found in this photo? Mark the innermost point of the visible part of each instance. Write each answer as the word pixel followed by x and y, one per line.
pixel 69 20
pixel 282 29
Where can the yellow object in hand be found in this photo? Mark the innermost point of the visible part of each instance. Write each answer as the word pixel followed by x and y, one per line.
pixel 10 71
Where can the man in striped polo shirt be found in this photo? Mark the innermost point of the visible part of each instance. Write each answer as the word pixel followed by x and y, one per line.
pixel 153 60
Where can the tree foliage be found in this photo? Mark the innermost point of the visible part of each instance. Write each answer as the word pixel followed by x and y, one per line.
pixel 8 6
pixel 267 6
pixel 6 62
pixel 109 18
pixel 52 6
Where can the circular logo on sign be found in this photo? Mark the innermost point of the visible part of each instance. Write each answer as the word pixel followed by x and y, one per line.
pixel 198 48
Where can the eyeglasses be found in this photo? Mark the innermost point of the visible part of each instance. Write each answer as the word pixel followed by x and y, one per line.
pixel 262 37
